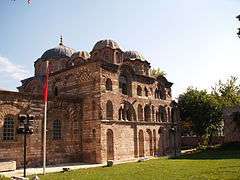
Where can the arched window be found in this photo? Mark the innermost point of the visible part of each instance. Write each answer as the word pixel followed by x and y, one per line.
pixel 146 92
pixel 136 68
pixel 57 130
pixel 140 112
pixel 109 110
pixel 169 115
pixel 153 113
pixel 109 85
pixel 147 113
pixel 120 114
pixel 139 91
pixel 106 56
pixel 56 91
pixel 117 58
pixel 122 85
pixel 8 129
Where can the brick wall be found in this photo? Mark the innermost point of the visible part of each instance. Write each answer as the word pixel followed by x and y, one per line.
pixel 231 134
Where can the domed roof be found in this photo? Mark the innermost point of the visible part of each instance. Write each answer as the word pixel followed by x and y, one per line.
pixel 58 52
pixel 133 55
pixel 106 43
pixel 81 54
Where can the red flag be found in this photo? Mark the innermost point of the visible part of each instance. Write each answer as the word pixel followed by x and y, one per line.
pixel 45 86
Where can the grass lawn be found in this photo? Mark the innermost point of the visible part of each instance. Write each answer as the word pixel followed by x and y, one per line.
pixel 220 163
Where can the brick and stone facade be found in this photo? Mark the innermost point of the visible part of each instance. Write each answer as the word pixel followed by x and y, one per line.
pixel 231 132
pixel 102 105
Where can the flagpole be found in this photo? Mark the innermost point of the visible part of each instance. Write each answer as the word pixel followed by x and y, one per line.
pixel 45 125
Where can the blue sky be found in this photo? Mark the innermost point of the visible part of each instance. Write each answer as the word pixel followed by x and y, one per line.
pixel 193 41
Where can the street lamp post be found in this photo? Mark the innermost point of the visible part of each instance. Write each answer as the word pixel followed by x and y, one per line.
pixel 173 130
pixel 238 17
pixel 25 127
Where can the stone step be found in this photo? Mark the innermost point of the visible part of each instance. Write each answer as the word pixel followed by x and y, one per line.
pixel 7 166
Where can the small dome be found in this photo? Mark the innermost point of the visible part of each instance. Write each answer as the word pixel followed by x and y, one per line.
pixel 58 52
pixel 132 55
pixel 81 54
pixel 106 43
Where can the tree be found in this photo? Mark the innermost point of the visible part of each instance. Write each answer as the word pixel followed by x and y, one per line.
pixel 28 1
pixel 156 72
pixel 200 112
pixel 227 94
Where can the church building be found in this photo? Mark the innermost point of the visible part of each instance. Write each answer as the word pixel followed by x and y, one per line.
pixel 102 105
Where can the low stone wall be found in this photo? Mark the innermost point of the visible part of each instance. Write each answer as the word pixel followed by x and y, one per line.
pixel 193 141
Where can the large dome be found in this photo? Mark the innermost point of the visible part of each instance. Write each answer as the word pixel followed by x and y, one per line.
pixel 81 54
pixel 58 52
pixel 106 43
pixel 132 55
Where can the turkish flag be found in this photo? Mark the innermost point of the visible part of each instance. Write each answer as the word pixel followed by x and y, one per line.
pixel 45 86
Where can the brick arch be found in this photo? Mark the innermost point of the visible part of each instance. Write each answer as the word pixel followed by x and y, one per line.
pixel 140 113
pixel 149 132
pixel 109 110
pixel 127 112
pixel 147 113
pixel 141 143
pixel 6 109
pixel 108 84
pixel 154 142
pixel 110 145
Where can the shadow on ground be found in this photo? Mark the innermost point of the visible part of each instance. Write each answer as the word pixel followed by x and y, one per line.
pixel 224 152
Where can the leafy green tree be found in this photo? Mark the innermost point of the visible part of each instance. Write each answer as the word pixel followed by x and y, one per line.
pixel 156 72
pixel 201 112
pixel 227 94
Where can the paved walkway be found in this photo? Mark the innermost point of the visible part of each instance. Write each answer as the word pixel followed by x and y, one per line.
pixel 30 171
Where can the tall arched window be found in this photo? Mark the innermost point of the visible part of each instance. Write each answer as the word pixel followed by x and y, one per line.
pixel 140 112
pixel 147 113
pixel 146 92
pixel 136 68
pixel 8 129
pixel 109 85
pixel 139 91
pixel 153 113
pixel 109 110
pixel 56 91
pixel 106 56
pixel 117 58
pixel 122 85
pixel 57 130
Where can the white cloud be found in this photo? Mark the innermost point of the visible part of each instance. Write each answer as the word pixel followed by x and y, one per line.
pixel 11 70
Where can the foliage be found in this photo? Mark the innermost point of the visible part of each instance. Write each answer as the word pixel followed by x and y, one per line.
pixel 201 112
pixel 210 164
pixel 28 1
pixel 156 72
pixel 236 119
pixel 228 94
pixel 2 177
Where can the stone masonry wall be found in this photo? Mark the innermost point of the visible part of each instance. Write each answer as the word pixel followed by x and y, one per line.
pixel 230 133
pixel 68 111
